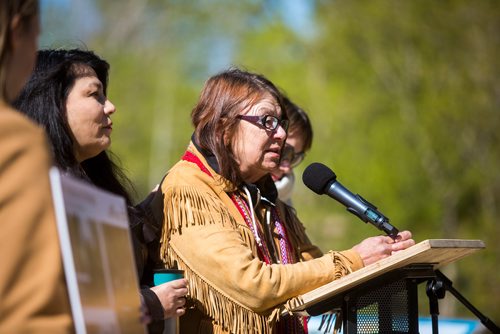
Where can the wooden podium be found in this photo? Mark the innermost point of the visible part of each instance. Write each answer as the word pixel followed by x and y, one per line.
pixel 382 297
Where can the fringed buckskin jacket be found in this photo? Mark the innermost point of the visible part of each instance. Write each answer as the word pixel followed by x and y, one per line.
pixel 244 255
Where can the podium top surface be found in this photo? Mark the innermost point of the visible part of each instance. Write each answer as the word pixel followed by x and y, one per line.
pixel 434 252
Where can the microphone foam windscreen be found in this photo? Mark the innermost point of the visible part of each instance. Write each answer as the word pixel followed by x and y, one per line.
pixel 317 177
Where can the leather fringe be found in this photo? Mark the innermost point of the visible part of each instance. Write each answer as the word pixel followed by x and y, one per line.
pixel 340 263
pixel 341 268
pixel 200 208
pixel 228 315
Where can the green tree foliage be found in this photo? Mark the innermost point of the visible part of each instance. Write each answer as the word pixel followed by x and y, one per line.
pixel 403 95
pixel 404 99
pixel 414 118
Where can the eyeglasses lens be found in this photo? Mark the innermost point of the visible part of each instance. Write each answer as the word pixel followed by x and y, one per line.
pixel 270 122
pixel 290 158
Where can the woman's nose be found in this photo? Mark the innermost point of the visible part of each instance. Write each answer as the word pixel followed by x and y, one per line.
pixel 109 107
pixel 280 133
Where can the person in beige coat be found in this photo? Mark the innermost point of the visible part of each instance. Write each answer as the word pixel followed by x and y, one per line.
pixel 244 252
pixel 33 297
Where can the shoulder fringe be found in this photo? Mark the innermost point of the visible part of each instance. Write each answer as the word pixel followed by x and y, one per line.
pixel 188 206
pixel 228 315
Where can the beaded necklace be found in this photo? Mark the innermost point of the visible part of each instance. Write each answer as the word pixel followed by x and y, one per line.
pixel 286 251
pixel 244 210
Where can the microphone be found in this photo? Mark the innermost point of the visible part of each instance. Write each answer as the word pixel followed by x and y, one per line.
pixel 322 180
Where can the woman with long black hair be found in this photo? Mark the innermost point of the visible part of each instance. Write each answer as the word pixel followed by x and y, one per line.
pixel 67 95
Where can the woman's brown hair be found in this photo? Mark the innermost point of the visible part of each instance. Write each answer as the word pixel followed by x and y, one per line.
pixel 299 122
pixel 224 96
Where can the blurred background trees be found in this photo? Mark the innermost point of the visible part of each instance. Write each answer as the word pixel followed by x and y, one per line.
pixel 404 97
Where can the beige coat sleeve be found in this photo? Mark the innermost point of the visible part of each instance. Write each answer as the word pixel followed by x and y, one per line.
pixel 33 296
pixel 219 253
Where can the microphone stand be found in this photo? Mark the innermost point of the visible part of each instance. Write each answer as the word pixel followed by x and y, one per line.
pixel 436 289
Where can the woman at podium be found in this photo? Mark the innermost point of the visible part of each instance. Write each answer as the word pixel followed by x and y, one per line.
pixel 244 251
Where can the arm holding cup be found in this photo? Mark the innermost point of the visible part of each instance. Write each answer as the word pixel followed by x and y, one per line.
pixel 172 296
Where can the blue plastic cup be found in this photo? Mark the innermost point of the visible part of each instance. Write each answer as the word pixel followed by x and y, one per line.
pixel 166 275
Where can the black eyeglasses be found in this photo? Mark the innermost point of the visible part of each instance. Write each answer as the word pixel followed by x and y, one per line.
pixel 267 121
pixel 290 157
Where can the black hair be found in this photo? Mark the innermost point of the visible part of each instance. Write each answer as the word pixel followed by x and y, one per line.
pixel 43 99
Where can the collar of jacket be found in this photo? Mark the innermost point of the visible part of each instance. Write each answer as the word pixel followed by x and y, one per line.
pixel 263 190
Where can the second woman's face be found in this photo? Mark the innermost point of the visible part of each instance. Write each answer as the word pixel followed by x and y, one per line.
pixel 88 112
pixel 296 143
pixel 256 149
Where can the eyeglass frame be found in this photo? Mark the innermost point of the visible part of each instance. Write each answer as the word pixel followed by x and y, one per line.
pixel 296 157
pixel 261 120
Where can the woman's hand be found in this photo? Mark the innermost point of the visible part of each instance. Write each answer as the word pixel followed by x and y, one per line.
pixel 172 296
pixel 375 248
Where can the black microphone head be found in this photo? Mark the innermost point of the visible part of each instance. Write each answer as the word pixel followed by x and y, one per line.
pixel 317 177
